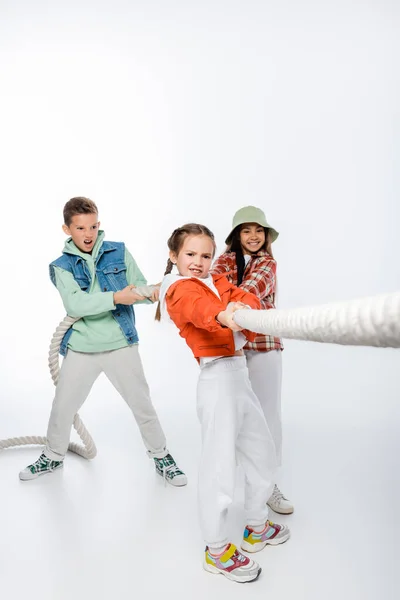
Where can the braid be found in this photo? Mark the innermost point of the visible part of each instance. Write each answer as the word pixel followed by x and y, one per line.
pixel 168 270
pixel 169 267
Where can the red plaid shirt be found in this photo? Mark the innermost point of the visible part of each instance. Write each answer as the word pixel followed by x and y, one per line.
pixel 259 278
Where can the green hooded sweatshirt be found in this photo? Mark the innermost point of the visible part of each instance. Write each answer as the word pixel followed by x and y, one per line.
pixel 97 330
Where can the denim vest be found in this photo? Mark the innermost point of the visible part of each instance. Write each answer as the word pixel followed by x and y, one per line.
pixel 111 273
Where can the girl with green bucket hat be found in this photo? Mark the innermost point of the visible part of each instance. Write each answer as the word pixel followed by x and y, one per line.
pixel 249 264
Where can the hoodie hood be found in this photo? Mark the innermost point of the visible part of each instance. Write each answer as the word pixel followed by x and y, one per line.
pixel 168 280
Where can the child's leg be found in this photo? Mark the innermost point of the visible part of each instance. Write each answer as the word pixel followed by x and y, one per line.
pixel 125 371
pixel 220 409
pixel 256 453
pixel 265 373
pixel 220 415
pixel 78 373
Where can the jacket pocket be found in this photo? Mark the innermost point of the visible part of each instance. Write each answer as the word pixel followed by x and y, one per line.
pixel 214 346
pixel 115 274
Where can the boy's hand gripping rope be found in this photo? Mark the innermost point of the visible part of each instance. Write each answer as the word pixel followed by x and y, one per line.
pixel 88 449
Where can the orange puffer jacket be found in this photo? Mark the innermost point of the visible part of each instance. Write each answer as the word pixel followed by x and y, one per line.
pixel 193 307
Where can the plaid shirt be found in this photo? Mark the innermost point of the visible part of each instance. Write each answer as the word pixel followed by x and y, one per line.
pixel 259 278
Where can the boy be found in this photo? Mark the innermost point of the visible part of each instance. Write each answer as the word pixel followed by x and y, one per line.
pixel 96 280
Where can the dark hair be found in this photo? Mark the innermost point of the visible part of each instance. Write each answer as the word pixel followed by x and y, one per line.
pixel 236 247
pixel 79 206
pixel 176 241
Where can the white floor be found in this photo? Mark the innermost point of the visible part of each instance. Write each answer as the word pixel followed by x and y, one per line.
pixel 110 529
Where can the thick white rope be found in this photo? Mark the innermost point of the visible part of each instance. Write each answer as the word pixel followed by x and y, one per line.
pixel 88 449
pixel 373 321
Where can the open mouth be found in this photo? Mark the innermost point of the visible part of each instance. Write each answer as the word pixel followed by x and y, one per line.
pixel 88 243
pixel 196 272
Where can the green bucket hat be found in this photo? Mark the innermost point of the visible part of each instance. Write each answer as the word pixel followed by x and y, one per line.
pixel 251 214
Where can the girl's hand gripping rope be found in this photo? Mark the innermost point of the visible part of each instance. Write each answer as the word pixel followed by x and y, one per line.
pixel 225 317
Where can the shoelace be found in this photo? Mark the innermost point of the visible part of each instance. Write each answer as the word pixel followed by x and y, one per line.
pixel 42 461
pixel 170 469
pixel 277 495
pixel 239 556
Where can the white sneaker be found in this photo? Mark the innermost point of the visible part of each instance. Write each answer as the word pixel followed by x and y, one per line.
pixel 42 466
pixel 169 470
pixel 279 503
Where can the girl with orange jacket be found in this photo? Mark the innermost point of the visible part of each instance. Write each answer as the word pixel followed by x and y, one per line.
pixel 233 425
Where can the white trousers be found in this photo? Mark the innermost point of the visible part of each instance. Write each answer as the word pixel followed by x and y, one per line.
pixel 78 373
pixel 234 430
pixel 265 372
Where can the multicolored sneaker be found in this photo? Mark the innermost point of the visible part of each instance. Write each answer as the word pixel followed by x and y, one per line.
pixel 233 564
pixel 279 503
pixel 272 534
pixel 42 466
pixel 168 469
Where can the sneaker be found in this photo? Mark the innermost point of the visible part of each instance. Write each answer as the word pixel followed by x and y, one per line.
pixel 233 564
pixel 42 466
pixel 273 535
pixel 279 503
pixel 168 469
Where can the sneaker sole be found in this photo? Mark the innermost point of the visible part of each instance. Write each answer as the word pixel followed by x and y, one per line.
pixel 28 475
pixel 178 481
pixel 231 576
pixel 281 511
pixel 261 545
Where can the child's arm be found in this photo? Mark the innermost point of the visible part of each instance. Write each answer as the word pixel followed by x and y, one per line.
pixel 78 303
pixel 222 264
pixel 135 277
pixel 262 280
pixel 226 316
pixel 185 301
pixel 239 295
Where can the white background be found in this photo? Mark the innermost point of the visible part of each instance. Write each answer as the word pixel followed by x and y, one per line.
pixel 168 112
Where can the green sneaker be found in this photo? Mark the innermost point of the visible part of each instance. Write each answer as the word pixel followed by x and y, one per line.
pixel 42 466
pixel 168 469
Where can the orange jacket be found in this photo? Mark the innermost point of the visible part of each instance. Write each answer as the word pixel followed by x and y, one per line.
pixel 193 306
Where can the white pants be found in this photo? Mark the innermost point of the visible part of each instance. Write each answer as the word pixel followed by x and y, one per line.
pixel 234 430
pixel 265 372
pixel 78 373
